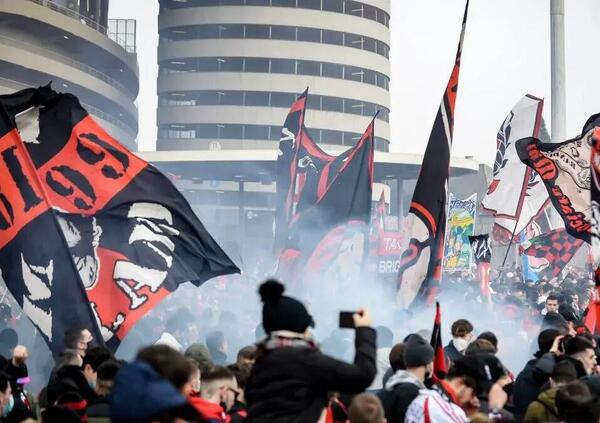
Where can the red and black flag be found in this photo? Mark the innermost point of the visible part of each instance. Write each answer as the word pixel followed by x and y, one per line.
pixel 421 264
pixel 594 306
pixel 330 238
pixel 132 235
pixel 439 360
pixel 556 247
pixel 482 253
pixel 35 262
pixel 565 170
pixel 376 233
pixel 299 166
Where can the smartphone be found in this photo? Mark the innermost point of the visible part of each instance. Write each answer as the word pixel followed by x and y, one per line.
pixel 347 319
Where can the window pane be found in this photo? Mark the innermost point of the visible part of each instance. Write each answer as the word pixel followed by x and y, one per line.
pixel 231 31
pixel 284 3
pixel 310 4
pixel 279 32
pixel 333 37
pixel 353 40
pixel 275 133
pixel 309 34
pixel 231 64
pixel 230 131
pixel 283 66
pixel 369 109
pixel 353 73
pixel 333 104
pixel 332 137
pixel 231 2
pixel 256 132
pixel 354 8
pixel 282 99
pixel 208 64
pixel 333 70
pixel 257 2
pixel 353 106
pixel 369 12
pixel 257 98
pixel 333 5
pixel 231 98
pixel 207 31
pixel 369 77
pixel 257 31
pixel 369 44
pixel 207 97
pixel 206 130
pixel 308 67
pixel 256 64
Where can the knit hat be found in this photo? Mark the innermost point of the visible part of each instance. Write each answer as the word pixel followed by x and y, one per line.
pixel 484 369
pixel 201 355
pixel 281 312
pixel 417 351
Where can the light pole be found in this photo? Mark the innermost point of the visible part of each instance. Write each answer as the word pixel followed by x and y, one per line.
pixel 559 106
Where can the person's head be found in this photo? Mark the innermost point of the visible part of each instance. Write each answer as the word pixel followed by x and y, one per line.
pixel 281 312
pixel 474 375
pixel 397 357
pixel 418 357
pixel 168 363
pixel 69 358
pixel 201 354
pixel 219 386
pixel 385 337
pixel 552 303
pixel 480 346
pixel 94 357
pixel 462 334
pixel 107 371
pixel 366 408
pixel 491 337
pixel 8 341
pixel 563 372
pixel 5 394
pixel 78 339
pixel 580 348
pixel 179 323
pixel 573 402
pixel 215 341
pixel 241 374
pixel 246 356
pixel 546 339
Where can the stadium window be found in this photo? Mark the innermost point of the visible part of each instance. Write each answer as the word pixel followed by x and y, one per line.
pixel 258 2
pixel 279 32
pixel 231 2
pixel 231 64
pixel 231 98
pixel 256 64
pixel 256 132
pixel 369 109
pixel 257 31
pixel 333 70
pixel 232 131
pixel 207 64
pixel 353 40
pixel 308 67
pixel 283 3
pixel 283 66
pixel 256 98
pixel 231 31
pixel 309 4
pixel 309 34
pixel 332 104
pixel 207 31
pixel 207 98
pixel 369 12
pixel 333 37
pixel 282 99
pixel 332 137
pixel 369 44
pixel 353 107
pixel 369 77
pixel 334 6
pixel 207 130
pixel 353 73
pixel 354 8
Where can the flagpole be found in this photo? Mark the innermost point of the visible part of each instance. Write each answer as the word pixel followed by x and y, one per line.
pixel 512 237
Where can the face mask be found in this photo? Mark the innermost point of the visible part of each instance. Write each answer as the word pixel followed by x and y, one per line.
pixel 92 384
pixel 461 344
pixel 8 407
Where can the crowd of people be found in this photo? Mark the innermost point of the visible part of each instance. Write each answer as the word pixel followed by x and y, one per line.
pixel 186 372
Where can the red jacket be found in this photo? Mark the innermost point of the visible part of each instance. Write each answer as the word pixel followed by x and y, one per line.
pixel 210 411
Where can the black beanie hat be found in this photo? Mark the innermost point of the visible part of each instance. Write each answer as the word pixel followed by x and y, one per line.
pixel 281 312
pixel 485 369
pixel 417 351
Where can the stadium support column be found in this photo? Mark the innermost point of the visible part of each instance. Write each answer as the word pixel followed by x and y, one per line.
pixel 559 108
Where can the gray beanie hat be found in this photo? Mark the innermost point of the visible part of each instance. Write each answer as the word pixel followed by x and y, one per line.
pixel 417 352
pixel 200 354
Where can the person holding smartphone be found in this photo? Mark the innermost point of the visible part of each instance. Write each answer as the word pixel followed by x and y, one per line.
pixel 291 378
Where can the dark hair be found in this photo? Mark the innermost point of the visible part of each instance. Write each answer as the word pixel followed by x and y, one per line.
pixel 461 328
pixel 564 372
pixel 179 321
pixel 214 340
pixel 72 337
pixel 552 297
pixel 577 344
pixel 241 374
pixel 573 402
pixel 108 370
pixel 168 363
pixel 397 357
pixel 217 373
pixel 95 357
pixel 385 337
pixel 489 336
pixel 248 352
pixel 546 339
pixel 480 346
pixel 366 408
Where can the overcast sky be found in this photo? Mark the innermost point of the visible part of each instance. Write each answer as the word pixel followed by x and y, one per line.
pixel 506 55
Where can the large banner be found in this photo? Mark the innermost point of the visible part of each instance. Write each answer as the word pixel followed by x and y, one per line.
pixel 461 223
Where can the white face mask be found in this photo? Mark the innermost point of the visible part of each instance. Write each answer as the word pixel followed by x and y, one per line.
pixel 461 344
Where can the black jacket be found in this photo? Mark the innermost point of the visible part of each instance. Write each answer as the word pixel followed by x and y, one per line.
pixel 290 384
pixel 397 399
pixel 528 384
pixel 451 352
pixel 69 378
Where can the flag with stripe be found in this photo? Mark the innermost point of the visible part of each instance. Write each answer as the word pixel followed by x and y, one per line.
pixel 439 360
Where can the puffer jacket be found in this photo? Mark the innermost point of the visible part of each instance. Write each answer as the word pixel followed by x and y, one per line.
pixel 543 409
pixel 290 384
pixel 400 390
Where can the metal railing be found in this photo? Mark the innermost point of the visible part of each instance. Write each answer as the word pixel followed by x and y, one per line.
pixel 81 18
pixel 90 109
pixel 68 61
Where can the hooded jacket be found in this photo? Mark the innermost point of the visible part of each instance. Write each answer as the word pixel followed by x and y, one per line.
pixel 210 411
pixel 452 352
pixel 529 384
pixel 543 409
pixel 431 407
pixel 290 384
pixel 400 391
pixel 69 378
